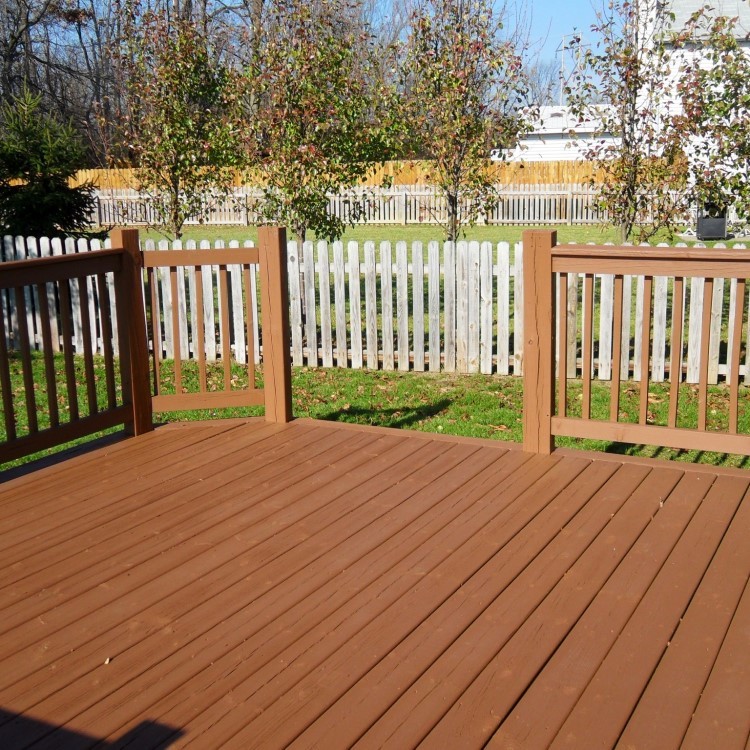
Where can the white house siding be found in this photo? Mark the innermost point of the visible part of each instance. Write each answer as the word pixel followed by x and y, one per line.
pixel 683 10
pixel 556 135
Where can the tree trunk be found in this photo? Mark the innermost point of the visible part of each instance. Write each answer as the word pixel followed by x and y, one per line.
pixel 175 215
pixel 452 233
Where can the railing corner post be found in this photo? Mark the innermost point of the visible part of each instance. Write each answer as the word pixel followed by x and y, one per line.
pixel 277 367
pixel 538 353
pixel 140 382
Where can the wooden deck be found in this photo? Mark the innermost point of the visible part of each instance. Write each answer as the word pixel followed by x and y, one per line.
pixel 245 584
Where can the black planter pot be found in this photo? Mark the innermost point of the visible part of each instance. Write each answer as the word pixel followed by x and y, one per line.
pixel 712 222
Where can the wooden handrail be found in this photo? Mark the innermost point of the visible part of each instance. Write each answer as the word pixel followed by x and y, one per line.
pixel 547 331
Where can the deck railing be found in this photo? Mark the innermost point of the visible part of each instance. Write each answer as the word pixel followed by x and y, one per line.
pixel 56 393
pixel 681 415
pixel 66 397
pixel 209 381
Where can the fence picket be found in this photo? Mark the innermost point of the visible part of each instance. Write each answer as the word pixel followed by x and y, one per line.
pixel 209 316
pixel 324 284
pixel 32 251
pixel 196 336
pixel 238 311
pixel 417 266
pixel 45 251
pixel 402 306
pixel 476 283
pixel 339 292
pixel 503 308
pixel 486 324
pixel 311 318
pixel 659 341
pixel 355 305
pixel 473 323
pixel 182 302
pixel 449 306
pixel 694 329
pixel 717 308
pixel 295 302
pixel 462 306
pixel 371 307
pixel 433 304
pixel 386 296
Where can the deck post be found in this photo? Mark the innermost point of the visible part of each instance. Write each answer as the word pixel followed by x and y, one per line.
pixel 538 353
pixel 140 382
pixel 277 368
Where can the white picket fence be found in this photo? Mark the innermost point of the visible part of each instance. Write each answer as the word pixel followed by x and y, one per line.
pixel 412 204
pixel 452 307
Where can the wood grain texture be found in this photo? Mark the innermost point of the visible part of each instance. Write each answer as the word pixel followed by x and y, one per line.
pixel 538 355
pixel 261 585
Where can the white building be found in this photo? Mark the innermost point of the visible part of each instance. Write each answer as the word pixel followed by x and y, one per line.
pixel 556 135
pixel 683 10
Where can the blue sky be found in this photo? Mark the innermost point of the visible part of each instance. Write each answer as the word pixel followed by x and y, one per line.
pixel 553 18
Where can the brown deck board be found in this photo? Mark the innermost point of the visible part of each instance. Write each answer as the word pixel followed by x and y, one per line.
pixel 359 707
pixel 407 555
pixel 110 561
pixel 516 634
pixel 330 665
pixel 607 702
pixel 722 718
pixel 676 686
pixel 238 628
pixel 104 499
pixel 243 585
pixel 572 668
pixel 192 559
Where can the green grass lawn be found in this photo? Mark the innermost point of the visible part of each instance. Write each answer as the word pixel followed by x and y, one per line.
pixel 484 406
pixel 580 234
pixel 395 233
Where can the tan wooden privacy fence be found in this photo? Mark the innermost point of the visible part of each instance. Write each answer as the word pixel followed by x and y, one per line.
pixel 411 172
pixel 517 204
pixel 714 319
pixel 415 307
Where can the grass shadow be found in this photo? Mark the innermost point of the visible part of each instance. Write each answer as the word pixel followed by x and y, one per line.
pixel 399 417
pixel 706 458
